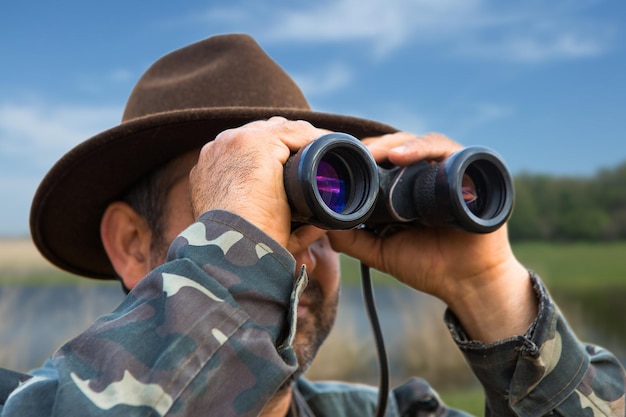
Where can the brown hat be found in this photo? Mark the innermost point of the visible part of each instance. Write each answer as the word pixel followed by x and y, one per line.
pixel 183 101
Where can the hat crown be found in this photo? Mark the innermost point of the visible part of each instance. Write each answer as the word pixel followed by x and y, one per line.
pixel 219 72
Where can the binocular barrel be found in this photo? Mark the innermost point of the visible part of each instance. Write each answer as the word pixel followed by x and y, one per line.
pixel 334 183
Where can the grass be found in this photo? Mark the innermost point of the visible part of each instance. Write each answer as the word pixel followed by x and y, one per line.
pixel 576 265
pixel 469 400
pixel 560 265
pixel 21 264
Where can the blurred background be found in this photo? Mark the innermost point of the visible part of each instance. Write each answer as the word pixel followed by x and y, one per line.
pixel 542 83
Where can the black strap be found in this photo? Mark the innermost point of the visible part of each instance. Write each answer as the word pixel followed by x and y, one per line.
pixel 9 380
pixel 299 407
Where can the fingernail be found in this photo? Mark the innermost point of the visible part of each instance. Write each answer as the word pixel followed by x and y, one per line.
pixel 400 149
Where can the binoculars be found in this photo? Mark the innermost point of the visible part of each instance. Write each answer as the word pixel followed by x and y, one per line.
pixel 335 183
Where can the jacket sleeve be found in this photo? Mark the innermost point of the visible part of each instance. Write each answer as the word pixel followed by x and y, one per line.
pixel 209 330
pixel 548 371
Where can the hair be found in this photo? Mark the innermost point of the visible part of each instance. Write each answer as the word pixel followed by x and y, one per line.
pixel 148 197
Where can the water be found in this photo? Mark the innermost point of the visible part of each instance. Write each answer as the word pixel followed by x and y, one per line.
pixel 37 320
pixel 597 315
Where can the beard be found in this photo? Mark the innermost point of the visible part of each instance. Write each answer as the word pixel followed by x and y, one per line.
pixel 313 328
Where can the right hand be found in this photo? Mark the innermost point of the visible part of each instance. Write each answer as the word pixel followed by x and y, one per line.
pixel 242 171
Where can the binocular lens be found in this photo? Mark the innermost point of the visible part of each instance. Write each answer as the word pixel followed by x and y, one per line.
pixel 471 195
pixel 331 184
pixel 485 190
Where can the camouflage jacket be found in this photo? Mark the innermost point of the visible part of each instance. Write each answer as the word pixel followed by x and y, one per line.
pixel 209 333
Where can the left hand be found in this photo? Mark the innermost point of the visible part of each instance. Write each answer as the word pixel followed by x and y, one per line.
pixel 477 275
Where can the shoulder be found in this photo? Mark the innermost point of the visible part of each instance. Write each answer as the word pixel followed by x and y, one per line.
pixel 339 399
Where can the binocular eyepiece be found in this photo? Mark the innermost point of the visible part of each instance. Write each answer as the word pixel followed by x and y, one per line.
pixel 334 183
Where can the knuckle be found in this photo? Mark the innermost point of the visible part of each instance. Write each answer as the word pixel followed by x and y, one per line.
pixel 277 119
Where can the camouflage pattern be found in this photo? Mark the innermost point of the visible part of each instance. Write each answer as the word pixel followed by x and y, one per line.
pixel 211 331
pixel 547 371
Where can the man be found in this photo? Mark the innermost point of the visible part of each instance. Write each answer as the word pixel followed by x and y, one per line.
pixel 184 203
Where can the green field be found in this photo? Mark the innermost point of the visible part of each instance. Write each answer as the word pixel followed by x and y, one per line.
pixel 560 265
pixel 576 265
pixel 470 400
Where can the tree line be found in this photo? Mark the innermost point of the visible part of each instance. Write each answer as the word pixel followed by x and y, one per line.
pixel 570 208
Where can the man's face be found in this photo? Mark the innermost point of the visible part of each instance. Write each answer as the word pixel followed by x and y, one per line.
pixel 318 304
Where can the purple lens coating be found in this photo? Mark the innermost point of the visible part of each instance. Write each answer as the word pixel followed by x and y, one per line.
pixel 331 187
pixel 470 194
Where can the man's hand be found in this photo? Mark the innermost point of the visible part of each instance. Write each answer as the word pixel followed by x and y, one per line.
pixel 242 171
pixel 476 275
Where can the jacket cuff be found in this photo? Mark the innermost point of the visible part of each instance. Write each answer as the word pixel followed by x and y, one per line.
pixel 531 373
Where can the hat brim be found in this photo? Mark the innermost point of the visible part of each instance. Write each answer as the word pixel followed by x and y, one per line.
pixel 70 201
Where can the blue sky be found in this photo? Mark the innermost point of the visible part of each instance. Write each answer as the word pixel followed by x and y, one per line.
pixel 543 83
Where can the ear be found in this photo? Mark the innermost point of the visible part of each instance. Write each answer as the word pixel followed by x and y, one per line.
pixel 127 240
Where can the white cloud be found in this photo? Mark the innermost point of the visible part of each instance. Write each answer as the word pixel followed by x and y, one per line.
pixel 385 24
pixel 33 136
pixel 487 112
pixel 483 29
pixel 477 115
pixel 465 121
pixel 40 132
pixel 402 117
pixel 103 82
pixel 537 46
pixel 120 75
pixel 326 80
